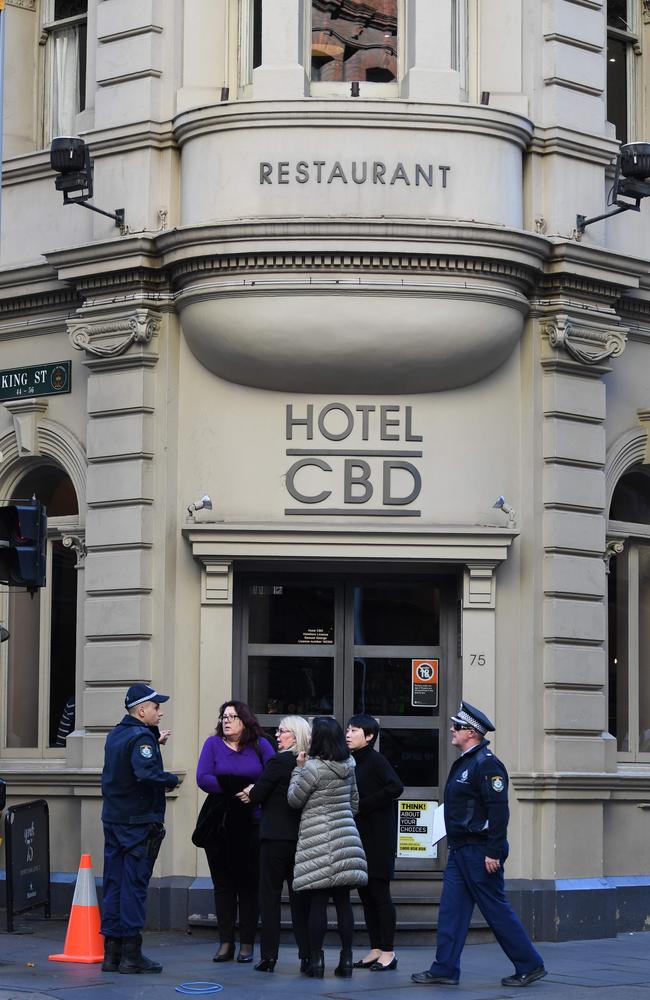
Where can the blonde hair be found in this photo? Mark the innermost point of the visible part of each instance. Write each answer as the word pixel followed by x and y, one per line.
pixel 300 730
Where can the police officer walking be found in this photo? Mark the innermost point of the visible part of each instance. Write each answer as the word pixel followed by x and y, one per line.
pixel 476 819
pixel 133 788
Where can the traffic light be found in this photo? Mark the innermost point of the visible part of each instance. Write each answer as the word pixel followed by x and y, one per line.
pixel 23 542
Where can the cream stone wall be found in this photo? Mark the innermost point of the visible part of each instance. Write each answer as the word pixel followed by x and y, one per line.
pixel 412 250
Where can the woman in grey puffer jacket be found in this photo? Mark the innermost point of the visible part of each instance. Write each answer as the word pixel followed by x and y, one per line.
pixel 329 857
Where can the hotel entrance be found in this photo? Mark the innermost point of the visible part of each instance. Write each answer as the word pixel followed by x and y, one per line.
pixel 340 644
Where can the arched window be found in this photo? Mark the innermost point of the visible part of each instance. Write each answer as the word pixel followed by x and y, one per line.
pixel 629 614
pixel 41 651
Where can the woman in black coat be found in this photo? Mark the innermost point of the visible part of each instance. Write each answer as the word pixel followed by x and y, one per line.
pixel 378 787
pixel 278 836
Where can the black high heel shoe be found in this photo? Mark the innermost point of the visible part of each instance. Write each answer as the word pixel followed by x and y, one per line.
pixel 225 956
pixel 245 959
pixel 266 965
pixel 304 966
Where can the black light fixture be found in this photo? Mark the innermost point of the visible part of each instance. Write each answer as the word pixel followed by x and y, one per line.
pixel 70 158
pixel 354 88
pixel 631 181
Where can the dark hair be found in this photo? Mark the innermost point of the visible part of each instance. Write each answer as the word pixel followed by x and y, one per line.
pixel 252 731
pixel 327 739
pixel 369 725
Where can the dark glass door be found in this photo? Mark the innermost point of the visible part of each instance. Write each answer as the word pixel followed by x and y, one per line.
pixel 321 645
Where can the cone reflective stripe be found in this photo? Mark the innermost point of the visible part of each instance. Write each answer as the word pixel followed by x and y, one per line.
pixel 83 941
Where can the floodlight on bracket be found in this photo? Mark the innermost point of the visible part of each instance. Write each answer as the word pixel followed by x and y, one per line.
pixel 631 181
pixel 70 158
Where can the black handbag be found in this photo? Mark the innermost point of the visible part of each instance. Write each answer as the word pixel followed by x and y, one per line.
pixel 210 822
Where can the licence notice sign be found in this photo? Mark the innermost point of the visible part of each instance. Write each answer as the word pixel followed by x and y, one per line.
pixel 424 683
pixel 51 379
pixel 415 829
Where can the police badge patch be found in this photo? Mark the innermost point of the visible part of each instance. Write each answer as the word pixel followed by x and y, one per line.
pixel 497 783
pixel 146 751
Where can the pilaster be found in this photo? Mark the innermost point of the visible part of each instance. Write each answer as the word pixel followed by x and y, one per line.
pixel 129 62
pixel 120 349
pixel 430 75
pixel 281 76
pixel 574 352
pixel 479 635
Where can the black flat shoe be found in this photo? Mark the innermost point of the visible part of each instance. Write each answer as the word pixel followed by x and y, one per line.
pixel 225 956
pixel 245 959
pixel 266 965
pixel 364 965
pixel 378 967
pixel 304 966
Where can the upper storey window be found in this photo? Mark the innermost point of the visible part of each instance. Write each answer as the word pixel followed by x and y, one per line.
pixel 66 31
pixel 354 40
pixel 622 40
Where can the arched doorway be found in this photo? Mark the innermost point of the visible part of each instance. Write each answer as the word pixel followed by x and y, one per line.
pixel 41 651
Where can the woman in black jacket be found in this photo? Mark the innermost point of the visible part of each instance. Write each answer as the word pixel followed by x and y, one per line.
pixel 278 835
pixel 378 787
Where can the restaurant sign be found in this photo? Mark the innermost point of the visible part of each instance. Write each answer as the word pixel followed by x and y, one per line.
pixel 35 380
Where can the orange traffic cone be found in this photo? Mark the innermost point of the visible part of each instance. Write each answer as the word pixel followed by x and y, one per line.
pixel 83 942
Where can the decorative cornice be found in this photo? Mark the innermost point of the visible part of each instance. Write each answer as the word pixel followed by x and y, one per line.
pixel 562 333
pixel 61 298
pixel 646 11
pixel 387 262
pixel 24 4
pixel 113 338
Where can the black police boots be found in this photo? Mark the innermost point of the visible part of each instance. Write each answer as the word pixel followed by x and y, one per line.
pixel 133 961
pixel 112 954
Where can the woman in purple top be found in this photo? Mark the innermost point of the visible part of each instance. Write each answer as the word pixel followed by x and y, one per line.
pixel 230 760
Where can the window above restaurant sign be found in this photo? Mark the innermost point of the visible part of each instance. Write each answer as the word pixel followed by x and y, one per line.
pixel 355 42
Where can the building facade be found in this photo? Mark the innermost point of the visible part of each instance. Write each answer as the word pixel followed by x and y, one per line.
pixel 351 304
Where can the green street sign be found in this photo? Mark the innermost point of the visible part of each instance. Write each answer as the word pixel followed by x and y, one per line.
pixel 35 380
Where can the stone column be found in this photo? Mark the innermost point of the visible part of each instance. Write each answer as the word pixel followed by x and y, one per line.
pixel 574 352
pixel 479 636
pixel 120 358
pixel 215 663
pixel 205 53
pixel 431 74
pixel 281 75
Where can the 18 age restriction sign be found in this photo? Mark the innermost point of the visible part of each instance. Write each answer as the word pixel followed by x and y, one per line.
pixel 424 683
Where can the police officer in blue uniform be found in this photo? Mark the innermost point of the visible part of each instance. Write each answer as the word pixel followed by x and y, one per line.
pixel 476 819
pixel 133 788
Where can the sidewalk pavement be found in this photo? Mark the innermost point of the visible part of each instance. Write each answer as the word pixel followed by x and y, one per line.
pixel 576 970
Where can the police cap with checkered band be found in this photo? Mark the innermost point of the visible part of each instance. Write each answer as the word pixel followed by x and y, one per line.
pixel 467 715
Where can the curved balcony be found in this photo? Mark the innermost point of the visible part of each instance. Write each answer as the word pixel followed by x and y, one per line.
pixel 364 248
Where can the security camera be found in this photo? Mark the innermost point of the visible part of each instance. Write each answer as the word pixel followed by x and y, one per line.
pixel 501 504
pixel 70 159
pixel 205 503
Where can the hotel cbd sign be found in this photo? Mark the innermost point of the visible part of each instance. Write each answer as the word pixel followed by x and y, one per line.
pixel 35 380
pixel 373 480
